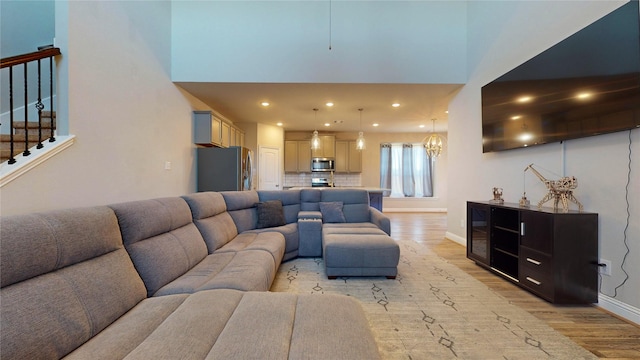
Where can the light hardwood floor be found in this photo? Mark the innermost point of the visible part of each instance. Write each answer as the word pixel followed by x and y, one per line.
pixel 603 334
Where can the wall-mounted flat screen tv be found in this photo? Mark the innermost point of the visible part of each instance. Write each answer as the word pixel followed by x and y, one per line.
pixel 586 85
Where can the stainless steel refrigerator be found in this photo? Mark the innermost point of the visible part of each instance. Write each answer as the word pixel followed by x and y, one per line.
pixel 224 169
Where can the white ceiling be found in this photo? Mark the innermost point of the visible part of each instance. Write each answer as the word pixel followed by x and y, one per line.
pixel 293 104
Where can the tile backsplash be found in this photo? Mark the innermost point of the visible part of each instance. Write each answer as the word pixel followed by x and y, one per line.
pixel 305 179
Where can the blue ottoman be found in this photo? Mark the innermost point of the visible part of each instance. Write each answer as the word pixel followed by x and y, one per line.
pixel 359 252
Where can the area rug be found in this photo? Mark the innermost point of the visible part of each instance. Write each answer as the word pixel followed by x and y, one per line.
pixel 434 310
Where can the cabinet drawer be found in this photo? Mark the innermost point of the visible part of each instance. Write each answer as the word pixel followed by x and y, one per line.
pixel 535 261
pixel 536 273
pixel 537 282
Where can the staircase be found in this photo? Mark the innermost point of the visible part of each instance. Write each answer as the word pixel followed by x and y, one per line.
pixel 27 135
pixel 24 135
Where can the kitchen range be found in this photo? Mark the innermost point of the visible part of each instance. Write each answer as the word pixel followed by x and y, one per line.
pixel 322 170
pixel 321 182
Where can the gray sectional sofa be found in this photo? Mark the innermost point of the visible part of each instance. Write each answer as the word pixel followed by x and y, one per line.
pixel 181 277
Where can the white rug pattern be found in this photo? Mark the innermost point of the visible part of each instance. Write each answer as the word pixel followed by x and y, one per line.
pixel 434 310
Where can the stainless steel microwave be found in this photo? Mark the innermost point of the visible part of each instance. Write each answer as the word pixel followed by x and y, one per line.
pixel 322 164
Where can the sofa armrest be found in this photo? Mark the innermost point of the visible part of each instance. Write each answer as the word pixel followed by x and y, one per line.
pixel 306 215
pixel 380 220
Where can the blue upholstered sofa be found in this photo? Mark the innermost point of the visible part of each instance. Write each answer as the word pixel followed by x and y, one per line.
pixel 180 277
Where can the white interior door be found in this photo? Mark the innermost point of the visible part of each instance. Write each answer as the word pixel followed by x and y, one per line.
pixel 269 168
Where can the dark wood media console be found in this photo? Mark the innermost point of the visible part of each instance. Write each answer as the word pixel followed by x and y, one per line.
pixel 550 253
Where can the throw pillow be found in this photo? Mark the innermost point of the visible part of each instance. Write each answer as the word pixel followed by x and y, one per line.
pixel 332 212
pixel 270 214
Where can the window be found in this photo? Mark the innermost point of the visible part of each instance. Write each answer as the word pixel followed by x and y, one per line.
pixel 406 170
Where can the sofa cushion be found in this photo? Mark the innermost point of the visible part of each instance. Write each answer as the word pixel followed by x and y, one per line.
pixel 316 321
pixel 37 244
pixel 161 239
pixel 270 241
pixel 290 202
pixel 332 212
pixel 355 203
pixel 248 270
pixel 229 324
pixel 210 215
pixel 351 228
pixel 270 214
pixel 75 279
pixel 291 238
pixel 309 199
pixel 241 207
pixel 125 334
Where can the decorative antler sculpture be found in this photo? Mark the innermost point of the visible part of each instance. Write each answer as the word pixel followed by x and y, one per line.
pixel 559 190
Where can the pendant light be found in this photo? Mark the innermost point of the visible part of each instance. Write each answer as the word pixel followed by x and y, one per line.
pixel 315 139
pixel 433 145
pixel 360 143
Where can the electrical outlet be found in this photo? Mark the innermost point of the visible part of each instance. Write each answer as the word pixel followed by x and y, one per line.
pixel 167 165
pixel 605 269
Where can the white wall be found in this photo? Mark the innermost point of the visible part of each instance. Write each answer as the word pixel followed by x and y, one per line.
pixel 288 41
pixel 128 117
pixel 502 35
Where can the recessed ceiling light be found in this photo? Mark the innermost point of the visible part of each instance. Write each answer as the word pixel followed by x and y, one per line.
pixel 584 95
pixel 264 103
pixel 524 99
pixel 279 124
pixel 516 117
pixel 446 111
pixel 376 125
pixel 327 124
pixel 329 104
pixel 395 104
pixel 421 126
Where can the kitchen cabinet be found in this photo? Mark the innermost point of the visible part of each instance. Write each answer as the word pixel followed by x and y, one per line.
pixel 207 129
pixel 549 253
pixel 327 147
pixel 348 157
pixel 239 137
pixel 210 130
pixel 226 133
pixel 232 137
pixel 297 156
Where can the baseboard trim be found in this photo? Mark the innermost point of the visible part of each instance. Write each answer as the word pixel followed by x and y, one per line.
pixel 617 307
pixel 414 210
pixel 9 173
pixel 456 238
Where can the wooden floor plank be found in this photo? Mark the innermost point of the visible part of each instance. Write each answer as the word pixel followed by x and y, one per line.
pixel 596 330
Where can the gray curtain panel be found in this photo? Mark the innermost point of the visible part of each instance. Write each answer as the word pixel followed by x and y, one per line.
pixel 385 168
pixel 428 176
pixel 408 184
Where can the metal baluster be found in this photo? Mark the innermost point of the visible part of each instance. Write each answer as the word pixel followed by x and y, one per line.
pixel 52 138
pixel 12 160
pixel 40 106
pixel 26 114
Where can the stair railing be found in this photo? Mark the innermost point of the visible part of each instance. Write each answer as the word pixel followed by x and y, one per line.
pixel 24 60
